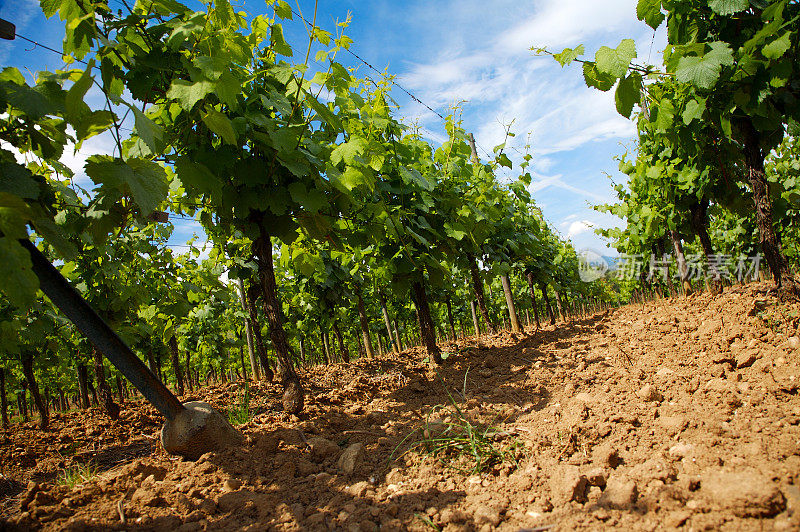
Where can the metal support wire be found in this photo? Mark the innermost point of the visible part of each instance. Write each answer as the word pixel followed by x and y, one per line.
pixel 351 52
pixel 69 301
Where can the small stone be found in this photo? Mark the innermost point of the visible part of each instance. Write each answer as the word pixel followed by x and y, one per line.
pixel 672 425
pixel 232 484
pixel 619 494
pixel 597 477
pixel 717 370
pixel 351 458
pixel 449 515
pixel 486 515
pixel 649 393
pixel 745 493
pixel 745 359
pixel 794 342
pixel 198 429
pixel 606 457
pixel 322 448
pixel 145 497
pixel 664 373
pixel 207 506
pixel 677 519
pixel 568 485
pixel 358 489
pixel 681 450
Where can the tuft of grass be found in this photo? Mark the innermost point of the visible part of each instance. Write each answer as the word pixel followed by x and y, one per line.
pixel 240 413
pixel 451 437
pixel 78 474
pixel 425 519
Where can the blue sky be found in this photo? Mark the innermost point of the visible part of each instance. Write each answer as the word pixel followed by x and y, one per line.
pixel 447 51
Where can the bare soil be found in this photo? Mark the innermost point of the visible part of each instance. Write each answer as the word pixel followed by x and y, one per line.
pixel 681 413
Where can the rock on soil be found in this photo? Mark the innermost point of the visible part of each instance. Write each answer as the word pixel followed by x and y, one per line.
pixel 619 493
pixel 351 458
pixel 745 493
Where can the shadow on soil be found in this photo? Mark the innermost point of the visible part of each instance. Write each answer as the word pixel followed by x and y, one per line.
pixel 285 485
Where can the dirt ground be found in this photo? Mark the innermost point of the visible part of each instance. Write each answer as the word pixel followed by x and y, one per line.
pixel 680 413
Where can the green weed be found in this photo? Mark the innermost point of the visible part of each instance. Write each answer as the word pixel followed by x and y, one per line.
pixel 425 519
pixel 78 474
pixel 451 437
pixel 240 413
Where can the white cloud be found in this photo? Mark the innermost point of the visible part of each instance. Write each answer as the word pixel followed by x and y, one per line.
pixel 542 182
pixel 578 227
pixel 75 160
pixel 502 80
pixel 563 23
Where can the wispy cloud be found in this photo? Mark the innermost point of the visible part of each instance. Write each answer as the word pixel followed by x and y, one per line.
pixel 542 182
pixel 566 23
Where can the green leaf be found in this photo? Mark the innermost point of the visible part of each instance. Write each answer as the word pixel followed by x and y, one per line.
pixel 151 133
pixel 56 237
pixel 728 7
pixel 224 12
pixel 188 93
pixel 626 167
pixel 19 282
pixel 778 47
pixel 93 123
pixel 311 200
pixel 595 78
pixel 615 62
pixel 694 70
pixel 220 124
pixel 283 9
pixel 352 177
pixel 14 216
pixel 503 160
pixel 350 151
pixel 145 181
pixel 278 201
pixel 703 72
pixel 628 93
pixel 212 67
pixel 455 230
pixel 50 7
pixel 17 180
pixel 197 177
pixel 794 127
pixel 694 110
pixel 568 55
pixel 725 125
pixel 277 41
pixel 323 112
pixel 412 176
pixel 20 96
pixel 74 106
pixel 664 114
pixel 650 12
pixel 228 88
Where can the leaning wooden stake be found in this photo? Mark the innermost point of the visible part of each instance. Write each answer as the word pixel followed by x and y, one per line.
pixel 191 429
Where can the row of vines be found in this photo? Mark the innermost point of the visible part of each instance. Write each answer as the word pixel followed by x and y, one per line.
pixel 716 166
pixel 335 231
